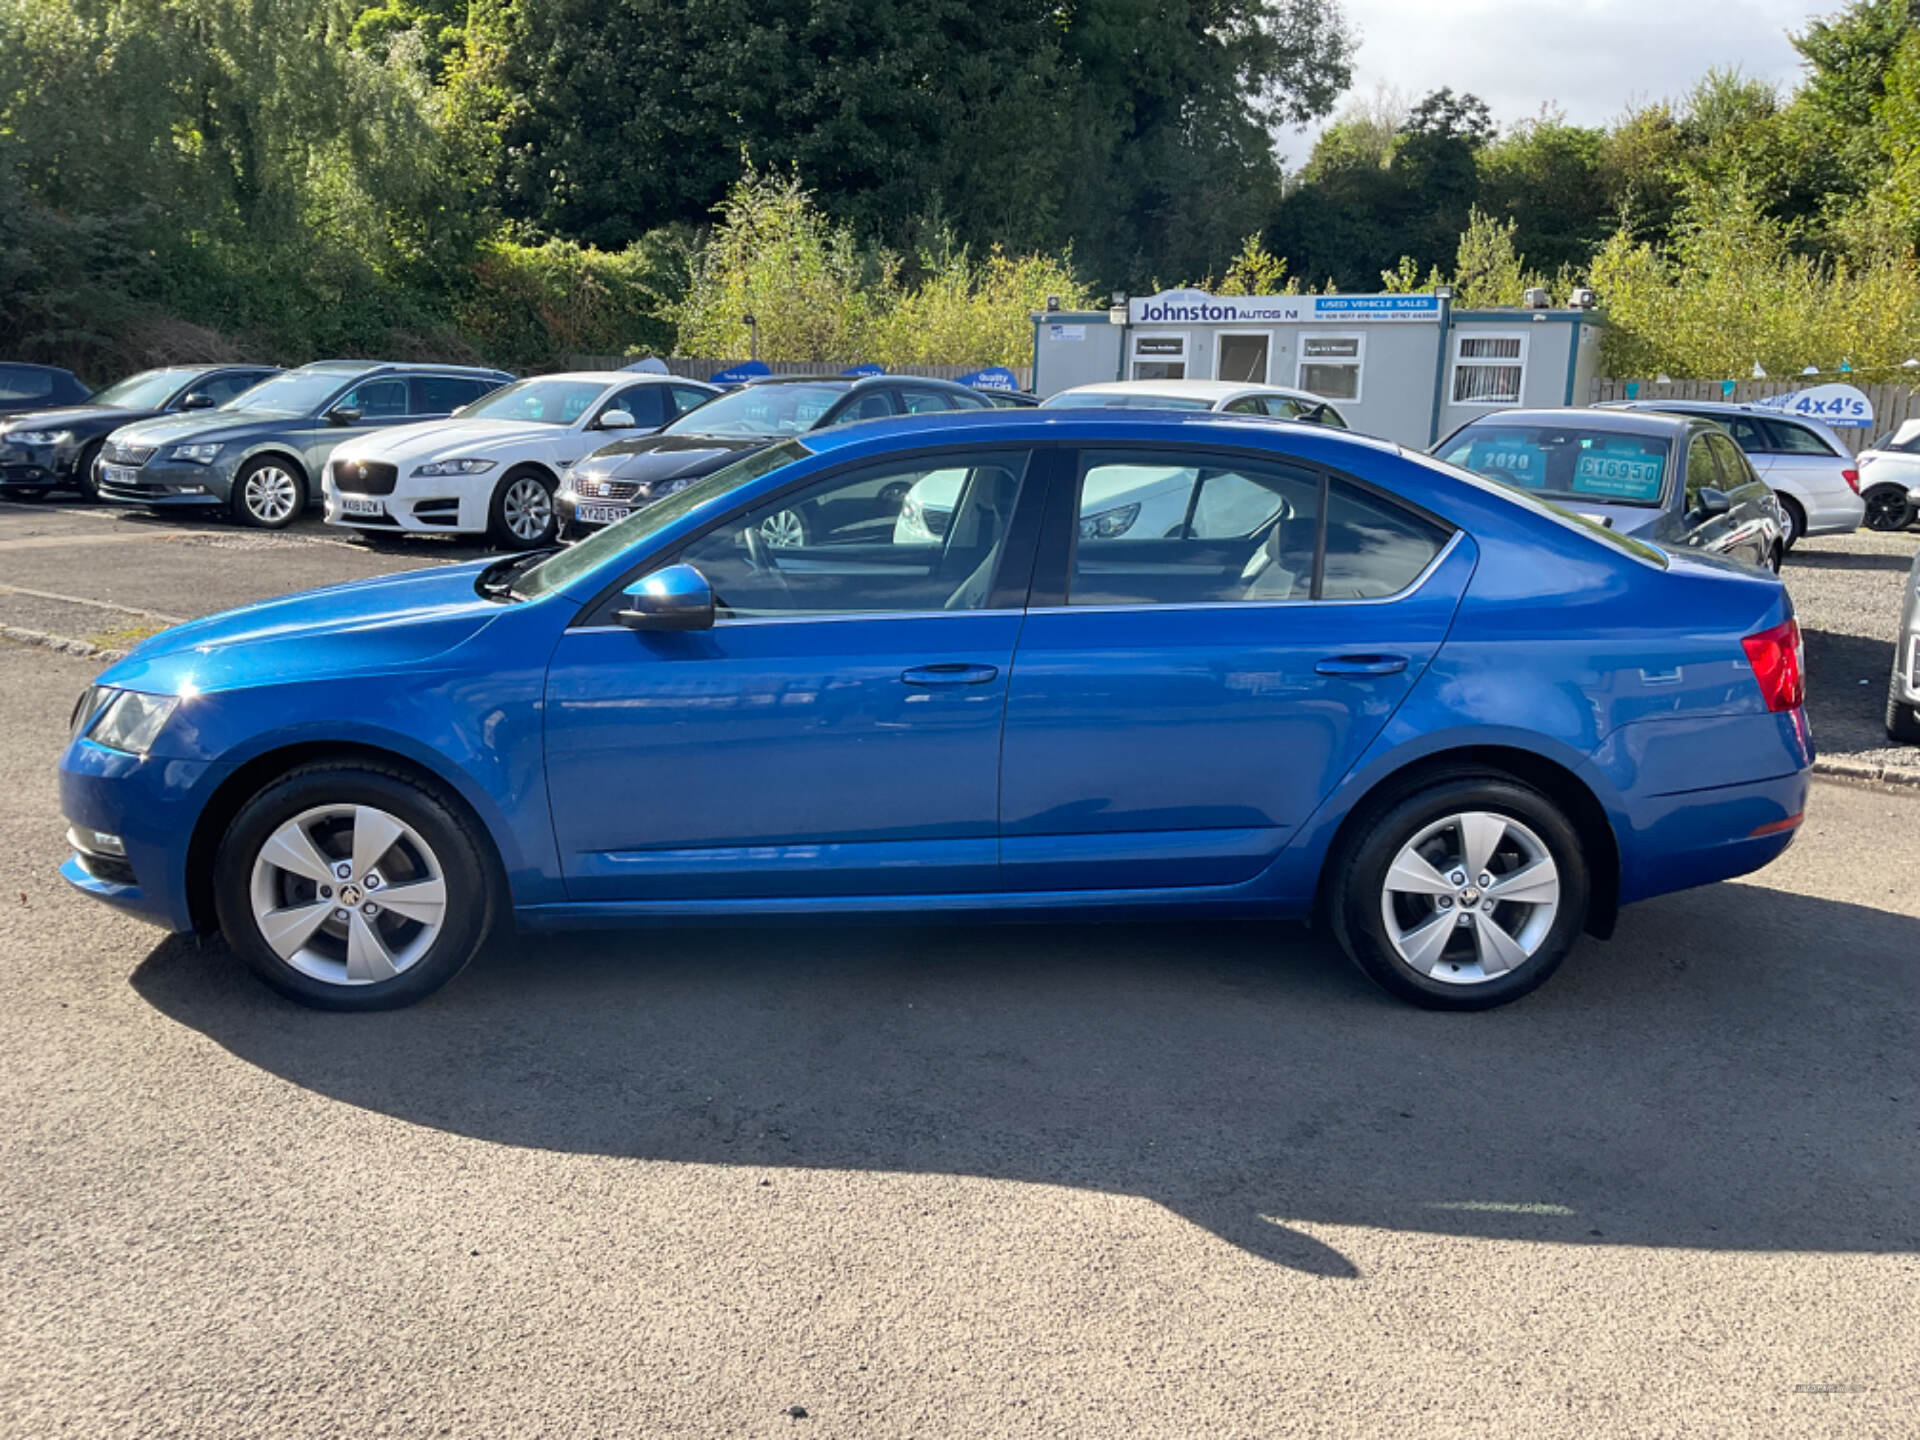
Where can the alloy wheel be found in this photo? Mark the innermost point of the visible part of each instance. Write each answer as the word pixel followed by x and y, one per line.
pixel 348 894
pixel 1887 508
pixel 270 494
pixel 784 529
pixel 527 509
pixel 1470 898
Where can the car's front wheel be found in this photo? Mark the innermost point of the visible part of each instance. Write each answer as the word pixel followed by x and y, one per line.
pixel 351 887
pixel 268 495
pixel 1887 508
pixel 1461 895
pixel 522 515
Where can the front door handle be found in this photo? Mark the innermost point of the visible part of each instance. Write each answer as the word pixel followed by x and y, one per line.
pixel 950 674
pixel 1362 665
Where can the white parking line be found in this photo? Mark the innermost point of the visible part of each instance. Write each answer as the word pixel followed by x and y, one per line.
pixel 96 604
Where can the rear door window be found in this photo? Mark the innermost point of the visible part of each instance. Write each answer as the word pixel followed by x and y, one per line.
pixel 444 394
pixel 1786 438
pixel 1734 471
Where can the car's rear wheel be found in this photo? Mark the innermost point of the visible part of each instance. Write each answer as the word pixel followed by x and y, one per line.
pixel 1793 522
pixel 351 887
pixel 1461 895
pixel 1903 720
pixel 1887 508
pixel 522 515
pixel 268 494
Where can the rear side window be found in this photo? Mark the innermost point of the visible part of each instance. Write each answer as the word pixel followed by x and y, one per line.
pixel 443 394
pixel 1168 529
pixel 1786 438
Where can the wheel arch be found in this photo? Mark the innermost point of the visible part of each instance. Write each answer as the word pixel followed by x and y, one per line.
pixel 1559 784
pixel 255 774
pixel 276 450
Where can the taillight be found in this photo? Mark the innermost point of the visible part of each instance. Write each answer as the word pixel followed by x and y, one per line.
pixel 1852 477
pixel 1779 665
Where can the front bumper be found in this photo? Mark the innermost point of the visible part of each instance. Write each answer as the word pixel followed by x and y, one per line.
pixel 151 805
pixel 435 506
pixel 38 467
pixel 165 484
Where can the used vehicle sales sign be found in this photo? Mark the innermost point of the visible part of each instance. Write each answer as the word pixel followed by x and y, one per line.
pixel 1197 307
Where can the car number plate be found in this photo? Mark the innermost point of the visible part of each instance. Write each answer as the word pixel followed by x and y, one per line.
pixel 117 474
pixel 600 514
pixel 361 507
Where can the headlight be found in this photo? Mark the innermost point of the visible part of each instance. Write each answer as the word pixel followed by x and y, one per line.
pixel 1109 523
pixel 87 707
pixel 198 454
pixel 40 437
pixel 130 720
pixel 455 467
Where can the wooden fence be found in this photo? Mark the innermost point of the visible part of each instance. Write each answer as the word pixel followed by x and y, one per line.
pixel 700 369
pixel 1892 404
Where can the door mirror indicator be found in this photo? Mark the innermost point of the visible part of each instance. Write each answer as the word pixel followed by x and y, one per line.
pixel 342 415
pixel 615 420
pixel 676 598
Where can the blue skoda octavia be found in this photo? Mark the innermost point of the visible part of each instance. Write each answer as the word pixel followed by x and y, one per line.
pixel 1098 664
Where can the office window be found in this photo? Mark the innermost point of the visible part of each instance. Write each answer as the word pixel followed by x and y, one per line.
pixel 1159 357
pixel 1488 369
pixel 1330 365
pixel 1242 358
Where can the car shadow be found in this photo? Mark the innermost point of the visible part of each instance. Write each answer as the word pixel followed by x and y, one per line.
pixel 1733 1071
pixel 1803 558
pixel 1846 714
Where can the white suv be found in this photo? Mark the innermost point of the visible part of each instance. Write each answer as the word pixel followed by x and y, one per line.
pixel 1225 397
pixel 1806 464
pixel 493 467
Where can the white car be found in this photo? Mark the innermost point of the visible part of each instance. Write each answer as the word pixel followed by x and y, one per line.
pixel 1226 397
pixel 493 467
pixel 1890 477
pixel 1803 461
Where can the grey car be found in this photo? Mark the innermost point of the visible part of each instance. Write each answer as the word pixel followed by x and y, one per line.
pixel 1673 480
pixel 260 456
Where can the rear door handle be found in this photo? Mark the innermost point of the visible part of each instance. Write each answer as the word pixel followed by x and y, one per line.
pixel 1362 665
pixel 950 674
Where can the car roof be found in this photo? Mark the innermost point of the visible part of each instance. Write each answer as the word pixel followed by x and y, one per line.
pixel 1214 390
pixel 1039 423
pixel 1715 407
pixel 1612 422
pixel 35 365
pixel 403 367
pixel 852 382
pixel 614 377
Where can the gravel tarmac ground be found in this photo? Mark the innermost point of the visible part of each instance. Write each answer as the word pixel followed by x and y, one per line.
pixel 1195 1180
pixel 1846 593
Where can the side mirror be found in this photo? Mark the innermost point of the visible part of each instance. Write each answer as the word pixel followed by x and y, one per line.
pixel 614 420
pixel 676 598
pixel 197 401
pixel 342 415
pixel 1714 502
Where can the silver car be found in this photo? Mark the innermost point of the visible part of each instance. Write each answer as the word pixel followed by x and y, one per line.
pixel 1804 462
pixel 260 456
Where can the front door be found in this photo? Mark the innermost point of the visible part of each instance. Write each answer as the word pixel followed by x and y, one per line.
pixel 837 732
pixel 1213 659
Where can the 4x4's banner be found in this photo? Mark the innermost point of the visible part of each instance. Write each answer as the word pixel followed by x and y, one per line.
pixel 1835 404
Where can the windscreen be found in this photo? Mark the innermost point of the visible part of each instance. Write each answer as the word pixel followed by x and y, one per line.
pixel 1566 462
pixel 298 392
pixel 760 410
pixel 541 402
pixel 146 391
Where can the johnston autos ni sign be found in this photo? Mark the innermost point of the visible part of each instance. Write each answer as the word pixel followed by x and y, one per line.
pixel 1197 307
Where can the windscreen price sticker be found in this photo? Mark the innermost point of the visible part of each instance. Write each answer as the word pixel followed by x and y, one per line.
pixel 1629 477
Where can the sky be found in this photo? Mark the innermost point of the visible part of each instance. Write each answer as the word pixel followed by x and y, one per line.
pixel 1593 58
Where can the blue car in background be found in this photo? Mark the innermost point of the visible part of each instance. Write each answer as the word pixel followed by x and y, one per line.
pixel 1342 681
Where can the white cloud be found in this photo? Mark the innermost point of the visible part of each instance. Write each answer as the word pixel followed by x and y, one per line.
pixel 1592 59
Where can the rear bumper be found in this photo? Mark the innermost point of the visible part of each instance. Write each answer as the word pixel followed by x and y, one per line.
pixel 1699 836
pixel 1832 514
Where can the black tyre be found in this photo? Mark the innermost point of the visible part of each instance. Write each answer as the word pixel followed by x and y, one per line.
pixel 1887 508
pixel 522 515
pixel 351 887
pixel 1462 894
pixel 269 493
pixel 1793 521
pixel 1903 720
pixel 84 484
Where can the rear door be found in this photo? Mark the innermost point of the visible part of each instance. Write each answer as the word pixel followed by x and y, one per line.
pixel 1213 640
